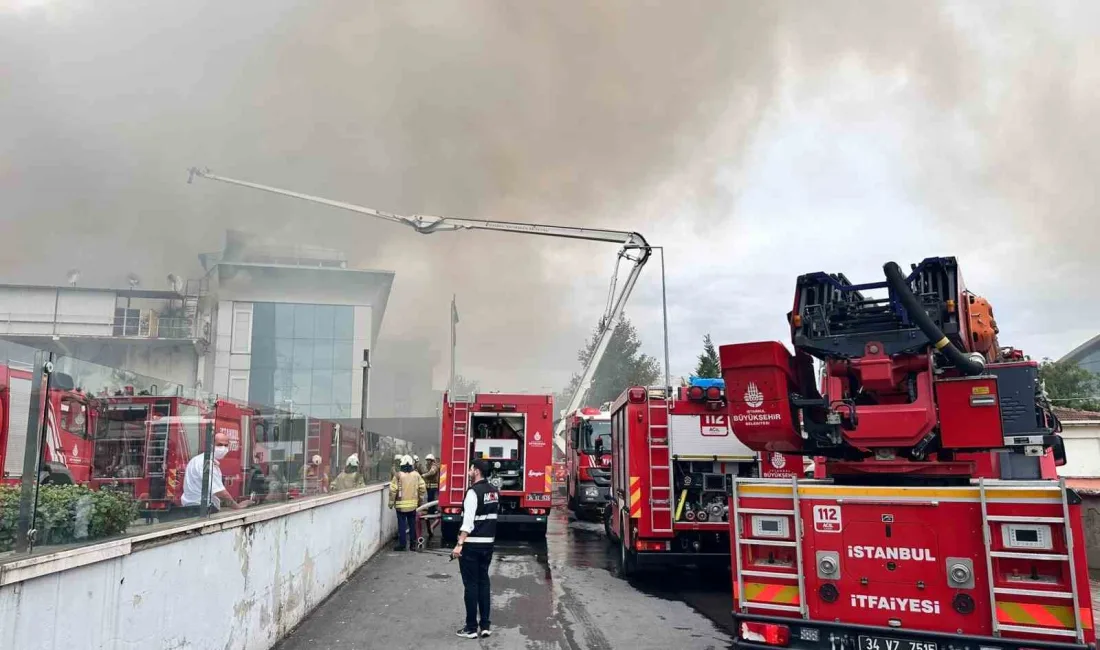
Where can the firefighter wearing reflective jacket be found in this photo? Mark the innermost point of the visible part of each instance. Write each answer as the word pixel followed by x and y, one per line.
pixel 475 548
pixel 407 492
pixel 431 480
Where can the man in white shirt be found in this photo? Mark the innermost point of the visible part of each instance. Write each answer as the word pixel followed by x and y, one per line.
pixel 192 480
pixel 476 536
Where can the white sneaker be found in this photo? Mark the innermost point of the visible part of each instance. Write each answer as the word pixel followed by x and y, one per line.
pixel 486 632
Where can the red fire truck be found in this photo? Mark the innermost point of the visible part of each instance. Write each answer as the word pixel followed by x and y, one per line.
pixel 588 459
pixel 672 463
pixel 71 417
pixel 936 529
pixel 144 442
pixel 514 433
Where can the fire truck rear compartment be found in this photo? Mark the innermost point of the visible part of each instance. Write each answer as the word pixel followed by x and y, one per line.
pixel 499 440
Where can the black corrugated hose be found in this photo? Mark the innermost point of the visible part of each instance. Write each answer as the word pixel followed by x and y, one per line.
pixel 896 279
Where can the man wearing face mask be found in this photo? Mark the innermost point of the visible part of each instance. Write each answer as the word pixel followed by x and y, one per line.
pixel 192 481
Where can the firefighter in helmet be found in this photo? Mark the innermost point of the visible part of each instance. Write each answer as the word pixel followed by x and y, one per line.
pixel 407 492
pixel 350 478
pixel 314 477
pixel 431 480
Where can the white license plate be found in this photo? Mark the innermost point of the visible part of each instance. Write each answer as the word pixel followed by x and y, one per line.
pixel 884 643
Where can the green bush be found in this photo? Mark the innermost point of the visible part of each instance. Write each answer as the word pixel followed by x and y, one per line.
pixel 68 513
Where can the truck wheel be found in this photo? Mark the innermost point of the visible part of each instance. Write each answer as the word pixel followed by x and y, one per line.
pixel 607 521
pixel 538 531
pixel 628 566
pixel 448 531
pixel 628 561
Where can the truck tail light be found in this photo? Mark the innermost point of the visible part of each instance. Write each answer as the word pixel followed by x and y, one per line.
pixel 768 633
pixel 644 545
pixel 714 393
pixel 696 393
pixel 637 395
pixel 452 511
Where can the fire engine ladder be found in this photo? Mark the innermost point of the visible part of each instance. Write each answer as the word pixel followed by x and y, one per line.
pixel 660 473
pixel 313 438
pixel 742 602
pixel 313 448
pixel 460 449
pixel 156 455
pixel 1064 522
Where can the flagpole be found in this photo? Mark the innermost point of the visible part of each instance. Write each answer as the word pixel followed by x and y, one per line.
pixel 454 321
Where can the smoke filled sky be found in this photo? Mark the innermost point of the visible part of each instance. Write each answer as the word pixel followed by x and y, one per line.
pixel 754 140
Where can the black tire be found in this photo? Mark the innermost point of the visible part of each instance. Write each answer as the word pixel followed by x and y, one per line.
pixel 607 521
pixel 628 561
pixel 448 531
pixel 538 531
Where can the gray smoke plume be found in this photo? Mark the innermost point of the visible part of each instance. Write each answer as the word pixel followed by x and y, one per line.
pixel 613 114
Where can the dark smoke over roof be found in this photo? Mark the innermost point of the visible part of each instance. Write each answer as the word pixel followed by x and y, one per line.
pixel 579 112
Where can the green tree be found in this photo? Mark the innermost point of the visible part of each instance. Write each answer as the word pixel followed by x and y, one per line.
pixel 708 360
pixel 623 365
pixel 1070 386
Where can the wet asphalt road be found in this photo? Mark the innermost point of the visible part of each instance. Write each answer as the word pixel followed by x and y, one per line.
pixel 564 593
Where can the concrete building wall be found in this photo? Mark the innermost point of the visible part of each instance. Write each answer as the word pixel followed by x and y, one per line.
pixel 33 311
pixel 401 379
pixel 1082 472
pixel 241 584
pixel 1082 450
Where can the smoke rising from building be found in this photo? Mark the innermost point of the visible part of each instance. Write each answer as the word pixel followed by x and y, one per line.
pixel 616 114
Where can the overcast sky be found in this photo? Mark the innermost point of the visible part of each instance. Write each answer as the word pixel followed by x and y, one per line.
pixel 754 141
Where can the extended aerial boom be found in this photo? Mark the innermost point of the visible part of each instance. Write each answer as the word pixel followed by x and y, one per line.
pixel 634 248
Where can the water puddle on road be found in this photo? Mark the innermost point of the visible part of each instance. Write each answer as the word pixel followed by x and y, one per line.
pixel 582 543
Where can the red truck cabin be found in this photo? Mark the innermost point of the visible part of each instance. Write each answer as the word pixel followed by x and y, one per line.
pixel 144 443
pixel 588 459
pixel 515 434
pixel 71 417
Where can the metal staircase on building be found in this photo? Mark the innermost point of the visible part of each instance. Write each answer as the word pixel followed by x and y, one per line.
pixel 193 295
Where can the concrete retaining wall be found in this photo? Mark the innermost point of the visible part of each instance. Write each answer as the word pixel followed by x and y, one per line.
pixel 241 581
pixel 1090 508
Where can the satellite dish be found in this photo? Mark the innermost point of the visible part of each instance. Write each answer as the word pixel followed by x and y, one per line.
pixel 73 276
pixel 133 279
pixel 175 282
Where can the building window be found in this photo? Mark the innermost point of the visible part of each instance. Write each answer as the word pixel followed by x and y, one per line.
pixel 238 385
pixel 242 332
pixel 126 321
pixel 302 357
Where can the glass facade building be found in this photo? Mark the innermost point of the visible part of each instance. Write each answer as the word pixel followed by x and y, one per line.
pixel 302 358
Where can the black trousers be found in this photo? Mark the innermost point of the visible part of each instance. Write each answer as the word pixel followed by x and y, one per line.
pixel 474 564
